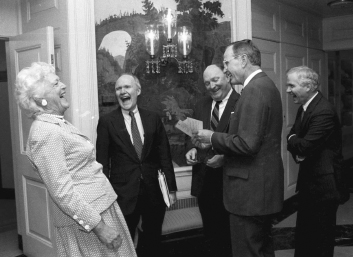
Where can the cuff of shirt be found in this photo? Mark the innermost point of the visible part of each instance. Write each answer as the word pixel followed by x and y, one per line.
pixel 291 136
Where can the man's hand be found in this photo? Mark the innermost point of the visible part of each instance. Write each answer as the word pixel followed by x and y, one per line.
pixel 173 198
pixel 216 161
pixel 202 138
pixel 191 156
pixel 108 236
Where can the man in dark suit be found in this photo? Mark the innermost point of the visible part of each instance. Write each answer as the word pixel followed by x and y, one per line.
pixel 207 171
pixel 315 141
pixel 132 146
pixel 253 176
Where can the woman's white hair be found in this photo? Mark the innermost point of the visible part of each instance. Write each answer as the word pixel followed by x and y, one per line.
pixel 30 86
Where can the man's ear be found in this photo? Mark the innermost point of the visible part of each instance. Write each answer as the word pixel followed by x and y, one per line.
pixel 244 60
pixel 309 87
pixel 138 91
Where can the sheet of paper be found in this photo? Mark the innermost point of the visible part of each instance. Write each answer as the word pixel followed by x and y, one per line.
pixel 189 125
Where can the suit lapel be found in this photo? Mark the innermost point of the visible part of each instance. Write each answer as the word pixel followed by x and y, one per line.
pixel 206 116
pixel 298 122
pixel 310 109
pixel 223 123
pixel 119 125
pixel 148 128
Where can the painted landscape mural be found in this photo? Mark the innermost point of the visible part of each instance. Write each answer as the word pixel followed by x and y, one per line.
pixel 120 42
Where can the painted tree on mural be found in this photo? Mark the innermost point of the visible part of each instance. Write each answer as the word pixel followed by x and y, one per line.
pixel 151 12
pixel 202 17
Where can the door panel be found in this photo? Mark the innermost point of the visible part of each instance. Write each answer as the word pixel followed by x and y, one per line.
pixel 35 194
pixel 270 61
pixel 32 199
pixel 291 56
pixel 317 60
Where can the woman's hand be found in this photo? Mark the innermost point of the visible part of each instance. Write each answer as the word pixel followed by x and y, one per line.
pixel 108 236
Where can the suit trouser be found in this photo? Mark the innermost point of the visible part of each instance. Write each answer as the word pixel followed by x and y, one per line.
pixel 251 236
pixel 215 217
pixel 315 229
pixel 152 217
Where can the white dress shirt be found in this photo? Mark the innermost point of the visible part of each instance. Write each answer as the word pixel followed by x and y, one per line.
pixel 127 119
pixel 222 105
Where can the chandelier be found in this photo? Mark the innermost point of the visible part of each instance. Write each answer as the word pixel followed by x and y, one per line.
pixel 169 51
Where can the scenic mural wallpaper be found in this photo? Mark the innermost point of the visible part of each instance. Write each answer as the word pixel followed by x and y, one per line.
pixel 120 40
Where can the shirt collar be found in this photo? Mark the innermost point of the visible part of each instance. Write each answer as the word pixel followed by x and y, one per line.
pixel 251 76
pixel 125 112
pixel 305 106
pixel 50 117
pixel 227 96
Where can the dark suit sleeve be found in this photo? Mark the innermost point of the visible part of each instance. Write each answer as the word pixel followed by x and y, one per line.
pixel 321 126
pixel 165 156
pixel 292 133
pixel 102 145
pixel 252 126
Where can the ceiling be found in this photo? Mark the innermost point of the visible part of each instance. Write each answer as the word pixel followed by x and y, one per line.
pixel 320 7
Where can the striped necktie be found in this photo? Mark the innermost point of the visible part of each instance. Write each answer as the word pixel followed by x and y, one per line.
pixel 136 135
pixel 215 116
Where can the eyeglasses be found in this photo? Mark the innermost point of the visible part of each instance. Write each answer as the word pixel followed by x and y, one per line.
pixel 226 62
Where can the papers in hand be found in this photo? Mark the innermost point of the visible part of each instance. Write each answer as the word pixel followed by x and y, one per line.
pixel 164 187
pixel 189 125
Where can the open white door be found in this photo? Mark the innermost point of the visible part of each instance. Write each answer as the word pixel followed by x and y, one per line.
pixel 32 198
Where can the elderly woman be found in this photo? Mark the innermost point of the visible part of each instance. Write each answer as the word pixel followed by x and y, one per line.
pixel 87 219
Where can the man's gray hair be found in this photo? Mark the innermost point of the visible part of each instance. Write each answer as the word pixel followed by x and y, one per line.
pixel 306 76
pixel 137 82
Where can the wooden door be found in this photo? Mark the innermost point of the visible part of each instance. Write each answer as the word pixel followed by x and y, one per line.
pixel 292 56
pixel 317 60
pixel 32 198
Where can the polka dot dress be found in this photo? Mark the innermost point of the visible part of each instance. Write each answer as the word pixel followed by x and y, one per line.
pixel 81 194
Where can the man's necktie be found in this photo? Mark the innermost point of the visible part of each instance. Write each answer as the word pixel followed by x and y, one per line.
pixel 215 116
pixel 136 135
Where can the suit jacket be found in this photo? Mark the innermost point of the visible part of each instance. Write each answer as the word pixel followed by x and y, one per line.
pixel 318 138
pixel 65 161
pixel 203 112
pixel 253 169
pixel 121 163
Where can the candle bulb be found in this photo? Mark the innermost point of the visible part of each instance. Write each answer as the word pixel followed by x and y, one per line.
pixel 152 47
pixel 169 21
pixel 184 38
pixel 184 44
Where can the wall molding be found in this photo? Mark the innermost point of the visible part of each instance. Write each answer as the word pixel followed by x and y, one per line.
pixel 241 20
